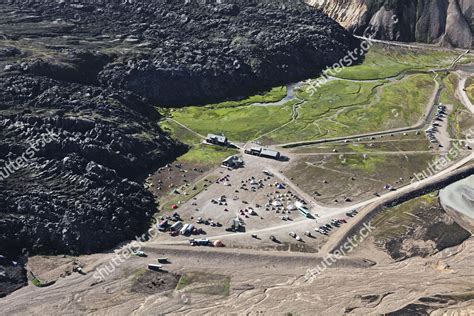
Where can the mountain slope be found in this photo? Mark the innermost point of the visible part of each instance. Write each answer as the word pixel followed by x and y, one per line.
pixel 444 22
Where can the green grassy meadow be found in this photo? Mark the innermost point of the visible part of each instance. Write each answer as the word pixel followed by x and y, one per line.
pixel 384 62
pixel 198 154
pixel 366 98
pixel 470 89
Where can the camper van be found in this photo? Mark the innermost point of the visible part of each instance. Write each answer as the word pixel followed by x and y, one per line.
pixel 176 226
pixel 187 229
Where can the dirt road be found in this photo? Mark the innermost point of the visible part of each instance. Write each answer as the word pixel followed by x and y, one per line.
pixel 448 175
pixel 462 93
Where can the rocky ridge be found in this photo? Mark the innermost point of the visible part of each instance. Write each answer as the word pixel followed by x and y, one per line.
pixel 444 22
pixel 78 146
pixel 179 54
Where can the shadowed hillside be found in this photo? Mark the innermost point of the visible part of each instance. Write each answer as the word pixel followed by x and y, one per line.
pixel 445 22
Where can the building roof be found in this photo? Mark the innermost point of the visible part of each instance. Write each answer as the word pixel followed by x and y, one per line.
pixel 270 153
pixel 229 159
pixel 219 138
pixel 233 159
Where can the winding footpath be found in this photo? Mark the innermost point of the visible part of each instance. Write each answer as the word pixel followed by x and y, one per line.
pixel 462 93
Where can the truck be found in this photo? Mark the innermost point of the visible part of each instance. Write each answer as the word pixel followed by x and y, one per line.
pixel 176 226
pixel 154 267
pixel 303 210
pixel 187 229
pixel 200 242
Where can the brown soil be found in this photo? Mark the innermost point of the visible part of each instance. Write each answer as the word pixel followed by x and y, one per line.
pixel 151 282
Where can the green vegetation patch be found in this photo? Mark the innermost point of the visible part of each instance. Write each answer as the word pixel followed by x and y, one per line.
pixel 38 283
pixel 460 119
pixel 273 95
pixel 369 163
pixel 400 104
pixel 386 144
pixel 394 221
pixel 420 219
pixel 337 176
pixel 198 154
pixel 338 108
pixel 361 162
pixel 384 62
pixel 179 132
pixel 470 89
pixel 450 83
pixel 344 108
pixel 241 123
pixel 317 117
pixel 204 283
pixel 211 155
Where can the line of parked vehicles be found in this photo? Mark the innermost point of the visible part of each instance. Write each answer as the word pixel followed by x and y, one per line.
pixel 440 115
pixel 175 226
pixel 323 229
pixel 326 229
pixel 352 213
pixel 158 267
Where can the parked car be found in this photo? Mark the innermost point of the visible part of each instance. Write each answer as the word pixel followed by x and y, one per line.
pixel 199 242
